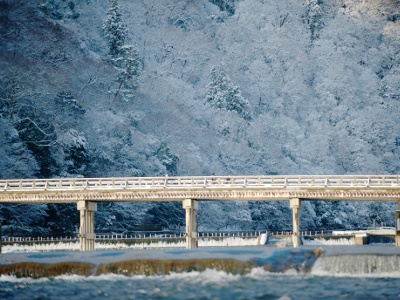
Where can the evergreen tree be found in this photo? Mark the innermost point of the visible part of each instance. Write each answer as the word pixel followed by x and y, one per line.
pixel 314 18
pixel 23 220
pixel 62 219
pixel 127 65
pixel 167 215
pixel 221 94
pixel 114 28
pixel 126 57
pixel 121 217
pixel 225 5
pixel 167 158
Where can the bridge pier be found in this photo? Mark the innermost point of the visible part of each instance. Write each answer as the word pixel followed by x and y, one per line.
pixel 86 229
pixel 295 205
pixel 191 207
pixel 397 224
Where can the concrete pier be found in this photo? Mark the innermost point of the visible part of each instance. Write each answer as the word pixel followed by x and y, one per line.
pixel 361 239
pixel 191 207
pixel 86 229
pixel 397 224
pixel 295 205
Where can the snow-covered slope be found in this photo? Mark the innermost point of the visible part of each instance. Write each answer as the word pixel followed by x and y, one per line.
pixel 320 80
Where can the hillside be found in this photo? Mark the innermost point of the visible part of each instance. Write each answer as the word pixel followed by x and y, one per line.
pixel 216 86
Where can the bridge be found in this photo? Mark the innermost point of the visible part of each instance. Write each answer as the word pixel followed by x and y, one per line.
pixel 86 192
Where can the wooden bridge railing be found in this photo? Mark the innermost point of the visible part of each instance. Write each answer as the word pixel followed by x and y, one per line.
pixel 68 184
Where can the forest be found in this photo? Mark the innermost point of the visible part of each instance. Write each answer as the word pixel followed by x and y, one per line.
pixel 128 88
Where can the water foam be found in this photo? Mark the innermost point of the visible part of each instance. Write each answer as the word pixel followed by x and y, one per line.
pixel 102 277
pixel 45 247
pixel 74 246
pixel 260 274
pixel 8 278
pixel 322 241
pixel 208 276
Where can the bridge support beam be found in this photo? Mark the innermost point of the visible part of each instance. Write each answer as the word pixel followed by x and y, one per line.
pixel 397 224
pixel 86 229
pixel 295 205
pixel 191 207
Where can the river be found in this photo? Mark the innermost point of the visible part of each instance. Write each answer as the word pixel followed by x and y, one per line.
pixel 340 272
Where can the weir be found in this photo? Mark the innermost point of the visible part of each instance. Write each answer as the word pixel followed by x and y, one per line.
pixel 361 264
pixel 86 192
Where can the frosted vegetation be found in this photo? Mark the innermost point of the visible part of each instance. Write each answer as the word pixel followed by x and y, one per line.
pixel 180 87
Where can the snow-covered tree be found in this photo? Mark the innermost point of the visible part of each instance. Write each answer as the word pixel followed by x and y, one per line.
pixel 121 217
pixel 39 136
pixel 126 57
pixel 222 94
pixel 76 153
pixel 127 65
pixel 114 28
pixel 233 215
pixel 167 214
pixel 314 17
pixel 61 219
pixel 17 160
pixel 167 158
pixel 23 220
pixel 225 5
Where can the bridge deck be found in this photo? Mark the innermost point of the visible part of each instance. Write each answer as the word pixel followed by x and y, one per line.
pixel 242 188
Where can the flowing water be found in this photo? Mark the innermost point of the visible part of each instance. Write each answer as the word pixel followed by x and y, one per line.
pixel 341 272
pixel 209 284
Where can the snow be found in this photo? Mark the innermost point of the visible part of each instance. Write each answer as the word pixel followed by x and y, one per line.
pixel 323 101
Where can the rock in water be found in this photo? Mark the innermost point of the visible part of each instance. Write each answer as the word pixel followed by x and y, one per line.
pixel 300 260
